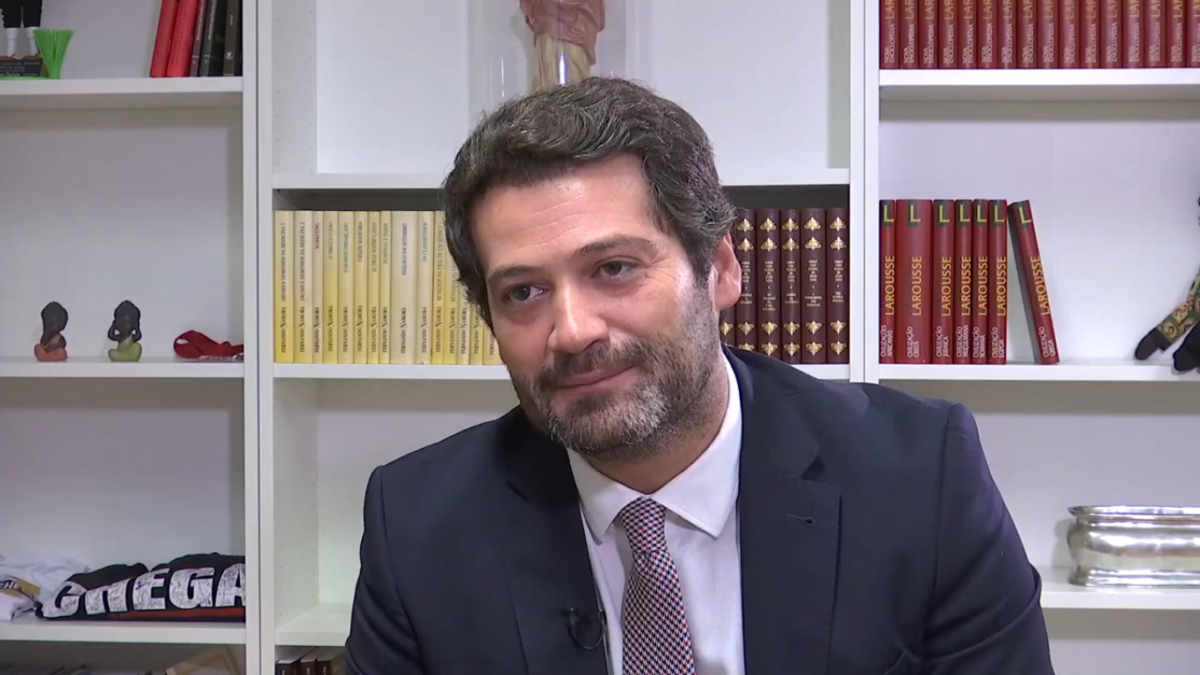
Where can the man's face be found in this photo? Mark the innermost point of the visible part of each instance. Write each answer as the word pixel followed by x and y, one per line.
pixel 608 336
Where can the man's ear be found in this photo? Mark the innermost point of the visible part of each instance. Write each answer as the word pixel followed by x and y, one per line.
pixel 727 273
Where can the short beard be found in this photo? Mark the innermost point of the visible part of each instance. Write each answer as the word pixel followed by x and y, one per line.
pixel 619 427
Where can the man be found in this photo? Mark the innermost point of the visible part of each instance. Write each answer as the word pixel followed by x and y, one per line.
pixel 657 504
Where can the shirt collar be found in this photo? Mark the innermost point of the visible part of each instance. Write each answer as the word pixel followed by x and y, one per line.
pixel 704 494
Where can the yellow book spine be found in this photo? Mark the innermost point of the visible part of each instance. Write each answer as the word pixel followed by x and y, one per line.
pixel 316 286
pixel 491 353
pixel 404 288
pixel 285 320
pixel 345 220
pixel 373 224
pixel 361 286
pixel 478 328
pixel 437 351
pixel 450 327
pixel 329 292
pixel 463 326
pixel 303 311
pixel 386 232
pixel 424 279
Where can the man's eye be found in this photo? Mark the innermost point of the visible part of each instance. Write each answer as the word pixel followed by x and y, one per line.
pixel 615 268
pixel 520 293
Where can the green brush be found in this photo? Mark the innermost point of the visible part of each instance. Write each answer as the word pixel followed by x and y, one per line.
pixel 52 43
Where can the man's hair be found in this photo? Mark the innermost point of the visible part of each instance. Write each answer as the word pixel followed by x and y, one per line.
pixel 549 132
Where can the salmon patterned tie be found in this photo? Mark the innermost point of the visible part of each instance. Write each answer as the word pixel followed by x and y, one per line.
pixel 656 640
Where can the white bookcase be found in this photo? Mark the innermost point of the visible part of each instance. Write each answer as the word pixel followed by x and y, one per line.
pixel 114 186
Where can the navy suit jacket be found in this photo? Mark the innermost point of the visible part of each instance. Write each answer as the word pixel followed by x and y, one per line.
pixel 873 542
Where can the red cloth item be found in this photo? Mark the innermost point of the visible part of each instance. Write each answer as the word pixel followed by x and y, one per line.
pixel 196 345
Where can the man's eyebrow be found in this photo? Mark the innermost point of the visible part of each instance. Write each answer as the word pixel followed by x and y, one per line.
pixel 501 274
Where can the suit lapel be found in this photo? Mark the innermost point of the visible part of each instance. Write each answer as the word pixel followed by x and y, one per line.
pixel 788 526
pixel 546 556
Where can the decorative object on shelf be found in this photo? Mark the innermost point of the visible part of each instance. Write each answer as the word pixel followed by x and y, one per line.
pixel 1135 546
pixel 564 39
pixel 53 44
pixel 196 346
pixel 21 16
pixel 53 345
pixel 1176 324
pixel 126 331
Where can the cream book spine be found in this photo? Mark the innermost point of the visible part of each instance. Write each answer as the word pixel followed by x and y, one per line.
pixel 285 320
pixel 463 325
pixel 404 288
pixel 361 286
pixel 438 330
pixel 386 232
pixel 478 341
pixel 424 279
pixel 373 223
pixel 330 245
pixel 346 287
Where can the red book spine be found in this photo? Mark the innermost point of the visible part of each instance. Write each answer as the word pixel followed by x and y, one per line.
pixel 1027 34
pixel 1133 34
pixel 927 34
pixel 1154 37
pixel 965 290
pixel 162 38
pixel 998 282
pixel 889 38
pixel 979 246
pixel 814 313
pixel 1068 34
pixel 1089 33
pixel 179 60
pixel 745 312
pixel 1110 34
pixel 1176 34
pixel 1008 33
pixel 989 38
pixel 837 286
pixel 887 281
pixel 1192 9
pixel 1048 33
pixel 968 34
pixel 943 254
pixel 1033 279
pixel 789 260
pixel 947 34
pixel 914 248
pixel 908 34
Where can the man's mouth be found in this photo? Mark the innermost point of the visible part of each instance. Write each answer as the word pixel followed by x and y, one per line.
pixel 592 378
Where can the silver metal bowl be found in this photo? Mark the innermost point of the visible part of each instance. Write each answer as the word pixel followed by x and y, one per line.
pixel 1135 546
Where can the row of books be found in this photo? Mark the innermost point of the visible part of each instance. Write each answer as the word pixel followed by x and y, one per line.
pixel 795 284
pixel 944 281
pixel 1038 34
pixel 198 38
pixel 372 287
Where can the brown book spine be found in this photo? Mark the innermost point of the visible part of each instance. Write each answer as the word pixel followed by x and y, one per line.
pixel 968 34
pixel 1111 47
pixel 789 256
pixel 998 282
pixel 989 38
pixel 1008 33
pixel 942 321
pixel 769 310
pixel 1027 34
pixel 1133 33
pixel 812 285
pixel 909 49
pixel 745 313
pixel 927 29
pixel 1068 34
pixel 728 315
pixel 979 245
pixel 1033 279
pixel 1176 34
pixel 837 286
pixel 1192 29
pixel 1089 34
pixel 889 38
pixel 1154 37
pixel 947 34
pixel 1048 33
pixel 965 291
pixel 914 249
pixel 887 281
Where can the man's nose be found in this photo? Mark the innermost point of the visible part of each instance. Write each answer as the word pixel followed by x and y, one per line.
pixel 577 323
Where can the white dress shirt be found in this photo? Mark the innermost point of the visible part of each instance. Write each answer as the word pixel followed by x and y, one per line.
pixel 702 537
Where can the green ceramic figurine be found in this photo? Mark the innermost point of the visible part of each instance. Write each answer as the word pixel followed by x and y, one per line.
pixel 126 331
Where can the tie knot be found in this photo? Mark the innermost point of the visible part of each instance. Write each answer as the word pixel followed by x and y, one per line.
pixel 645 525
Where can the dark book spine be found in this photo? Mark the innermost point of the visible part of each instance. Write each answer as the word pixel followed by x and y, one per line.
pixel 1111 47
pixel 889 35
pixel 968 34
pixel 927 34
pixel 1007 33
pixel 964 255
pixel 909 44
pixel 1192 9
pixel 1068 34
pixel 1154 38
pixel 1048 35
pixel 1090 38
pixel 837 285
pixel 1033 280
pixel 943 254
pixel 979 244
pixel 998 282
pixel 233 38
pixel 812 285
pixel 887 281
pixel 914 248
pixel 1176 34
pixel 790 259
pixel 769 314
pixel 1133 33
pixel 1027 34
pixel 947 34
pixel 989 37
pixel 746 311
pixel 726 322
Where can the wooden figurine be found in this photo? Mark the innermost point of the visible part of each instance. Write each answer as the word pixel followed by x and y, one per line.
pixel 53 345
pixel 564 38
pixel 126 331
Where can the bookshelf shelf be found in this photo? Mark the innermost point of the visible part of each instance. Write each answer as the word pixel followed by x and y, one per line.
pixel 1161 84
pixel 132 632
pixel 1095 372
pixel 325 625
pixel 160 368
pixel 121 93
pixel 356 181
